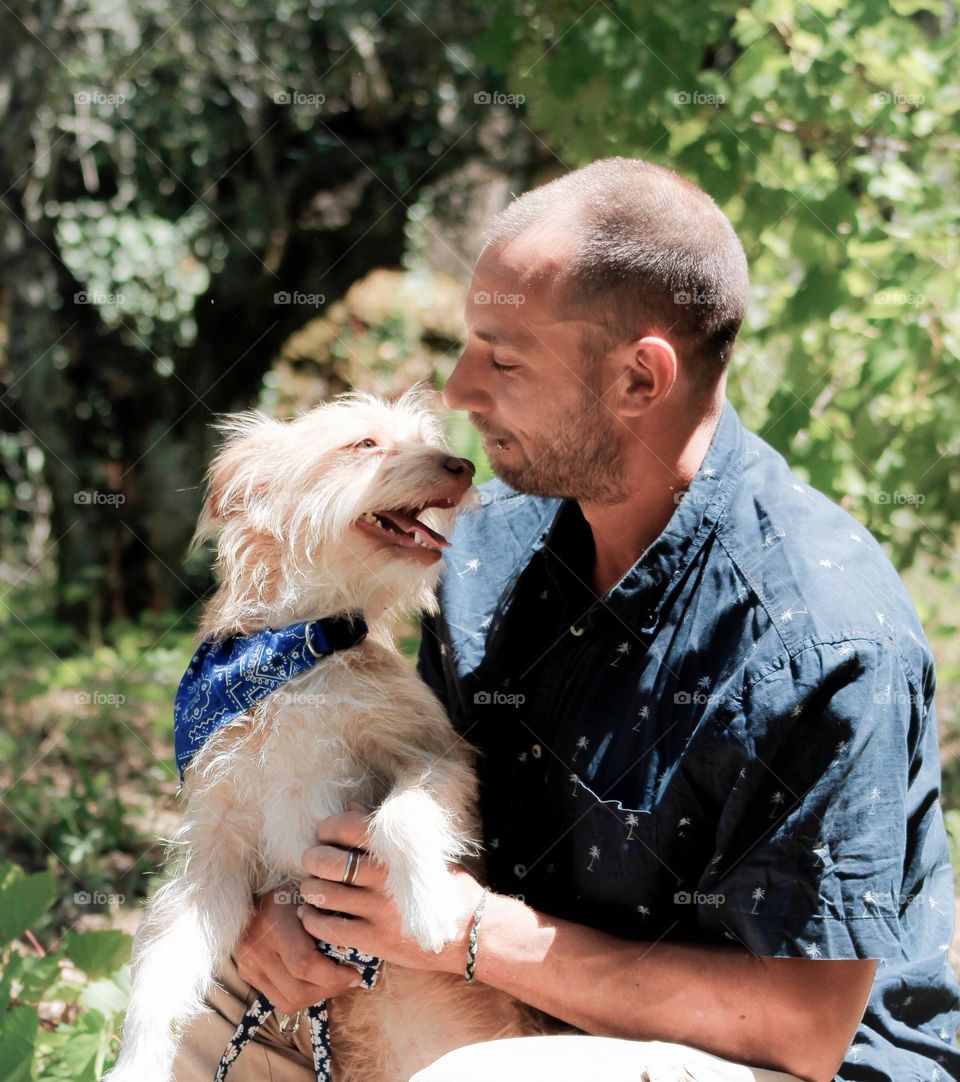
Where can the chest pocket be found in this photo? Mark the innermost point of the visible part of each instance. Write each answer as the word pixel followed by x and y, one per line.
pixel 610 857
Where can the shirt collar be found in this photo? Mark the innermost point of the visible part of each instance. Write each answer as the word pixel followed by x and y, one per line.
pixel 640 595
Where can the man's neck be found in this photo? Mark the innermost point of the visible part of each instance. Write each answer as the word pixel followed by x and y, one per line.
pixel 657 475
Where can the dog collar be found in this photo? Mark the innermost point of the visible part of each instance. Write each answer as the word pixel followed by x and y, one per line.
pixel 228 678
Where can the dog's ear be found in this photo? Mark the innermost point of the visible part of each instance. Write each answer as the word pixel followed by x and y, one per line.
pixel 242 468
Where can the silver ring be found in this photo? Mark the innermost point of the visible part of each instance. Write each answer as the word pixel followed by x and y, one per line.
pixel 352 867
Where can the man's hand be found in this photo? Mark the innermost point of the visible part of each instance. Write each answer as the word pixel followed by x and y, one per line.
pixel 281 960
pixel 372 924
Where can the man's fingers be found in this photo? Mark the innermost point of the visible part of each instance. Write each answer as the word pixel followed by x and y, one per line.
pixel 287 994
pixel 338 931
pixel 329 862
pixel 347 829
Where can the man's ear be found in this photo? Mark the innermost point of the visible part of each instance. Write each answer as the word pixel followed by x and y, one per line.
pixel 651 371
pixel 241 469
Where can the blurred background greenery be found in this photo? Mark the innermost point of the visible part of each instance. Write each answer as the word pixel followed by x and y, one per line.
pixel 221 204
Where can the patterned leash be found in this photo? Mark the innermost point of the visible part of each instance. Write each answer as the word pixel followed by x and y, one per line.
pixel 260 1010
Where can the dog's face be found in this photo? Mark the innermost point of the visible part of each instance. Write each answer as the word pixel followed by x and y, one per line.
pixel 352 499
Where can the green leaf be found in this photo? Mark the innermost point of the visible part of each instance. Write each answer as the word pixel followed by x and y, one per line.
pixel 23 900
pixel 18 1035
pixel 98 953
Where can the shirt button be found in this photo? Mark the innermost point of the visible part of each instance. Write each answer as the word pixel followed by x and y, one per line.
pixel 536 751
pixel 574 630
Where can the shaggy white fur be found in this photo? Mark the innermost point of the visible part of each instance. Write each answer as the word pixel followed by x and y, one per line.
pixel 289 505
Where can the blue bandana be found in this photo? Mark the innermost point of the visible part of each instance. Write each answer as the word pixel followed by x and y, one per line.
pixel 226 679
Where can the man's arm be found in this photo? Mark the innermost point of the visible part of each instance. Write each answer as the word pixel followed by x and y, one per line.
pixel 789 1014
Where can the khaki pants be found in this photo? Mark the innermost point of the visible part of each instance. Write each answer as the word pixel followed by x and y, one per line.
pixel 276 1057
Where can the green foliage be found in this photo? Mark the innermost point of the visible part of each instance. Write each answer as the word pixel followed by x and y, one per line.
pixel 828 134
pixel 86 762
pixel 59 1008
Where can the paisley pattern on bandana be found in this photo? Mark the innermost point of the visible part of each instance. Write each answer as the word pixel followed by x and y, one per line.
pixel 227 679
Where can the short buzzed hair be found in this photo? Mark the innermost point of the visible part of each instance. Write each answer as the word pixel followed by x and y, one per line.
pixel 653 254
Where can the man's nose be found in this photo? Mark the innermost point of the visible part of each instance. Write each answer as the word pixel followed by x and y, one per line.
pixel 457 392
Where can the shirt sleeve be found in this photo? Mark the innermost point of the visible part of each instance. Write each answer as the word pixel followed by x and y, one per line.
pixel 813 838
pixel 430 658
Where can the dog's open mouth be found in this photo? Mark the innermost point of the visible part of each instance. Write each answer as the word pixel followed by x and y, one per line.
pixel 402 526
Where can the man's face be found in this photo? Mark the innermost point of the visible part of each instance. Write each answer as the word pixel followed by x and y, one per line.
pixel 528 388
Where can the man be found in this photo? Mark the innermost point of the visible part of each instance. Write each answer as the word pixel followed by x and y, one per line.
pixel 702 699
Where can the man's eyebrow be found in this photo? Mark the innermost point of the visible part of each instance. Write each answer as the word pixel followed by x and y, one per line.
pixel 516 339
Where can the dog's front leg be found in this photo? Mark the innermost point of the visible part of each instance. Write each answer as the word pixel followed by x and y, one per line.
pixel 421 826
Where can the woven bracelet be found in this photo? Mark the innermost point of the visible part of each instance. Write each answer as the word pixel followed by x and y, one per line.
pixel 472 948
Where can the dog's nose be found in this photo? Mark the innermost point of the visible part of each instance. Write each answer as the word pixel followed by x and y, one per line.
pixel 458 465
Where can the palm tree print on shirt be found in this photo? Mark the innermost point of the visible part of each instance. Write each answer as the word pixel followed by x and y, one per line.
pixel 594 856
pixel 622 650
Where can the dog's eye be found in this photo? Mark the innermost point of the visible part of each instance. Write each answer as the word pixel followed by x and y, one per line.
pixel 368 442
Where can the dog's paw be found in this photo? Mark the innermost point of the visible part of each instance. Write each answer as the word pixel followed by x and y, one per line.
pixel 432 917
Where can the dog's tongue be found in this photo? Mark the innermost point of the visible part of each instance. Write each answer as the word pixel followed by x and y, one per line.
pixel 413 526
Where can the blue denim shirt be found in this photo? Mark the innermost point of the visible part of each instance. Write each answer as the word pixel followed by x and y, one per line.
pixel 736 745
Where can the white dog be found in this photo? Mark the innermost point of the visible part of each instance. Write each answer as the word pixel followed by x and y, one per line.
pixel 341 510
